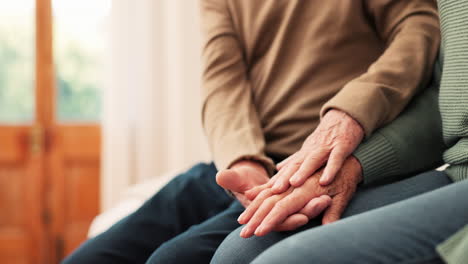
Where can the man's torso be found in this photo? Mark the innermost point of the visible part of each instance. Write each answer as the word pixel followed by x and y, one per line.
pixel 299 55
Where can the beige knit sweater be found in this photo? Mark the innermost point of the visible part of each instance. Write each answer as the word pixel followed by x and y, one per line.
pixel 272 67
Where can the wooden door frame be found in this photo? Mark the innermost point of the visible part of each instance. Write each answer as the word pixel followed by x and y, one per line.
pixel 45 75
pixel 78 142
pixel 45 108
pixel 24 144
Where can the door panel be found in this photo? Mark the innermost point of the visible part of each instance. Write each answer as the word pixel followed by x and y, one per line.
pixel 13 139
pixel 22 226
pixel 12 247
pixel 81 185
pixel 75 162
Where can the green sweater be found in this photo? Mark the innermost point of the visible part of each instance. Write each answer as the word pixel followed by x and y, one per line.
pixel 419 138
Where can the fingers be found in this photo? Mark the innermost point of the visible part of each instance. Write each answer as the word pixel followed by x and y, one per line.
pixel 281 210
pixel 280 165
pixel 312 209
pixel 273 179
pixel 311 164
pixel 334 165
pixel 242 199
pixel 253 193
pixel 316 206
pixel 251 227
pixel 293 222
pixel 336 209
pixel 282 181
pixel 254 205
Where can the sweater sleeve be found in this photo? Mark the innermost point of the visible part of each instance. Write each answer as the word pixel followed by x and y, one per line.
pixel 410 31
pixel 412 143
pixel 229 117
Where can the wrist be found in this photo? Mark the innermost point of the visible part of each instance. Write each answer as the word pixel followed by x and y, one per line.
pixel 249 163
pixel 355 127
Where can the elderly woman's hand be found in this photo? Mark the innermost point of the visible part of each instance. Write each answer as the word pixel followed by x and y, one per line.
pixel 246 174
pixel 268 210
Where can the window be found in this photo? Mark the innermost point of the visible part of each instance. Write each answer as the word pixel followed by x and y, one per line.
pixel 80 38
pixel 17 34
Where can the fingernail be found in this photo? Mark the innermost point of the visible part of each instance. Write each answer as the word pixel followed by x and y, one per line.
pixel 241 218
pixel 242 233
pixel 259 231
pixel 293 179
pixel 323 180
pixel 245 232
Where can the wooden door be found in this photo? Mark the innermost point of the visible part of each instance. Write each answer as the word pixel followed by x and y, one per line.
pixel 73 158
pixel 22 218
pixel 49 169
pixel 74 188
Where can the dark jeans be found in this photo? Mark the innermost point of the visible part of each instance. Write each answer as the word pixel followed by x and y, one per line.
pixel 187 220
pixel 183 223
pixel 411 218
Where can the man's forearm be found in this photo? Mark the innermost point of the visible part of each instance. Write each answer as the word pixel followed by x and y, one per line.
pixel 411 36
pixel 229 117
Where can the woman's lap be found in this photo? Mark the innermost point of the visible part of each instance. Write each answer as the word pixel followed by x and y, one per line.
pixel 403 232
pixel 237 250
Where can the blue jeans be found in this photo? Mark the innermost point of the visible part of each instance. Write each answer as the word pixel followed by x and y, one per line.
pixel 396 223
pixel 183 223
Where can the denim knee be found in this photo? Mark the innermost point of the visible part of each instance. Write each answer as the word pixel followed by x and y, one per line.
pixel 166 253
pixel 88 253
pixel 188 251
pixel 186 248
pixel 238 250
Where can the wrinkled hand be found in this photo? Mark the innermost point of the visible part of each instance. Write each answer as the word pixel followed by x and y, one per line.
pixel 244 175
pixel 267 210
pixel 335 138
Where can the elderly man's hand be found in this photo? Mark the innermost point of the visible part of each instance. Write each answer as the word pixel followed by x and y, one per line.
pixel 245 174
pixel 241 177
pixel 336 137
pixel 269 209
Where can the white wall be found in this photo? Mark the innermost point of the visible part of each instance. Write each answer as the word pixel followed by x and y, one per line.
pixel 151 121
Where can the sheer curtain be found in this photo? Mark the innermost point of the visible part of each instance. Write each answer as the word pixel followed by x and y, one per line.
pixel 151 117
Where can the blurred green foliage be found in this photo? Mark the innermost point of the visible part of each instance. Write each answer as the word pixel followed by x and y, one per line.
pixel 77 71
pixel 16 75
pixel 78 75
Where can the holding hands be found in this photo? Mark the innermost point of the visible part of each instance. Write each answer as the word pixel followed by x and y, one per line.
pixel 267 210
pixel 335 138
pixel 246 174
pixel 298 192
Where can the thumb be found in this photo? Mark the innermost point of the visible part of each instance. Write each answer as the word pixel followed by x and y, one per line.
pixel 232 180
pixel 336 209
